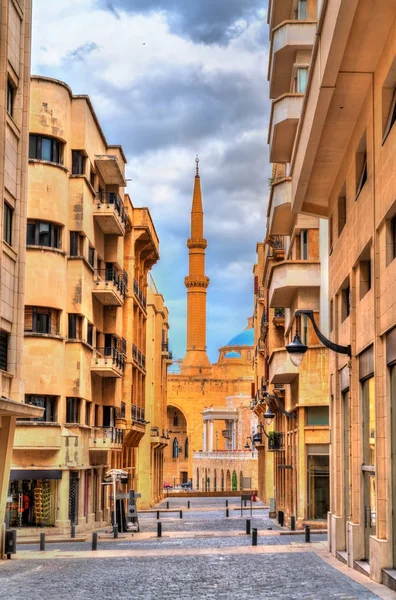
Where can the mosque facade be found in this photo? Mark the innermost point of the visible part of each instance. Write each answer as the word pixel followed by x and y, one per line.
pixel 209 421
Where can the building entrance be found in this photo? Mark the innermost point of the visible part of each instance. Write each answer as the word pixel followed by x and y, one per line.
pixel 32 503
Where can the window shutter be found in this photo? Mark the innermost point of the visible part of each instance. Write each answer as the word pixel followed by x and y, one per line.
pixel 28 318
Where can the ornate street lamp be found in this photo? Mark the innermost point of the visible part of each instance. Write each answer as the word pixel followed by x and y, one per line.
pixel 297 349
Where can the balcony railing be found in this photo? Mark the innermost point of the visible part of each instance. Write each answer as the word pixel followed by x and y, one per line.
pixel 138 357
pixel 137 290
pixel 114 199
pixel 111 275
pixel 224 454
pixel 155 432
pixel 114 434
pixel 275 441
pixel 118 359
pixel 227 433
pixel 137 414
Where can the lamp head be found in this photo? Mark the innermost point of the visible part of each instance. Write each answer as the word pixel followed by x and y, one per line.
pixel 269 416
pixel 296 350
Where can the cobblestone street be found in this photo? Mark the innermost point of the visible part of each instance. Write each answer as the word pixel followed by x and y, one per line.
pixel 203 555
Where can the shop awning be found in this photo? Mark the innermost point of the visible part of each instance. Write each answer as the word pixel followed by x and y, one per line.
pixel 21 474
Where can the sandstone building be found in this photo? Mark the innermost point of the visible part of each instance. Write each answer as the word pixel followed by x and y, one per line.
pixel 204 399
pixel 15 38
pixel 339 150
pixel 89 252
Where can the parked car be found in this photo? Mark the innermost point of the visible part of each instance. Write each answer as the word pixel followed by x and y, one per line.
pixel 187 485
pixel 167 486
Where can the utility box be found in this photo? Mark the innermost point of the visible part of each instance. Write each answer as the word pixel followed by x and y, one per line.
pixel 10 541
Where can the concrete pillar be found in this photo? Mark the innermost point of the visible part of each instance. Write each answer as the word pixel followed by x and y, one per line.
pixel 205 436
pixel 7 430
pixel 211 436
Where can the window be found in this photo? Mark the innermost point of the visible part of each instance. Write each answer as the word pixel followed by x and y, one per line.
pixel 346 302
pixel 7 225
pixel 90 334
pixel 389 101
pixel 302 10
pixel 391 240
pixel 175 449
pixel 76 244
pixel 72 410
pixel 92 178
pixel 365 277
pixel 44 148
pixel 91 256
pixel 43 233
pixel 46 402
pixel 361 165
pixel 87 413
pixel 175 420
pixel 341 210
pixel 186 449
pixel 318 415
pixel 304 244
pixel 108 416
pixel 391 116
pixel 4 337
pixel 42 320
pixel 302 78
pixel 368 397
pixel 78 162
pixel 10 98
pixel 75 327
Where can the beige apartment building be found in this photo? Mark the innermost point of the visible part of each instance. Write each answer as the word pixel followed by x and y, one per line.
pixel 15 38
pixel 342 166
pixel 89 251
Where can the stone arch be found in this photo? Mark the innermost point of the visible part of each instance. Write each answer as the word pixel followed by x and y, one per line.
pixel 228 481
pixel 241 480
pixel 234 481
pixel 222 480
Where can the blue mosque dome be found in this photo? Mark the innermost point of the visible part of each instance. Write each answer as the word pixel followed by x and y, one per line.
pixel 245 338
pixel 232 355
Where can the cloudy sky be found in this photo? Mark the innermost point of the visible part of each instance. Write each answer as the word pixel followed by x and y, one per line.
pixel 170 79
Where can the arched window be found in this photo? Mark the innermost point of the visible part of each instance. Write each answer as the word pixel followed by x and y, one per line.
pixel 175 420
pixel 186 449
pixel 175 448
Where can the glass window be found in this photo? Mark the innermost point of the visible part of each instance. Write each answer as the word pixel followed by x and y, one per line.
pixel 304 244
pixel 302 78
pixel 4 337
pixel 108 416
pixel 368 392
pixel 361 165
pixel 302 10
pixel 10 98
pixel 175 449
pixel 91 256
pixel 75 327
pixel 87 413
pixel 318 415
pixel 78 162
pixel 46 402
pixel 72 410
pixel 45 148
pixel 391 120
pixel 31 234
pixel 7 226
pixel 90 334
pixel 318 487
pixel 43 321
pixel 74 243
pixel 43 233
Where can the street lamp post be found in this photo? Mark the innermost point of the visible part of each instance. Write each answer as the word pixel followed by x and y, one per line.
pixel 297 349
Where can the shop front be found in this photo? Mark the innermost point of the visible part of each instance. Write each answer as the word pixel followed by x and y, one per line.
pixel 32 498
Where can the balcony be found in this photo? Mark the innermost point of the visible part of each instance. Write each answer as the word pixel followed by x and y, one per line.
pixel 106 438
pixel 108 362
pixel 138 357
pixel 280 217
pixel 276 248
pixel 279 317
pixel 289 276
pixel 138 414
pixel 287 39
pixel 139 295
pixel 227 434
pixel 276 441
pixel 261 345
pixel 279 11
pixel 109 213
pixel 281 368
pixel 285 114
pixel 261 294
pixel 110 170
pixel 109 287
pixel 36 435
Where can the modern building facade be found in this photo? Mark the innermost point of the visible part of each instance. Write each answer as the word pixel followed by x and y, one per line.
pixel 15 39
pixel 194 384
pixel 89 251
pixel 342 167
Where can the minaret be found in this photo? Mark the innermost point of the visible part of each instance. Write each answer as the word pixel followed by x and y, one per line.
pixel 196 361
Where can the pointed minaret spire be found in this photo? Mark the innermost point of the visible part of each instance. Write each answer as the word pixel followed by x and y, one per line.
pixel 196 360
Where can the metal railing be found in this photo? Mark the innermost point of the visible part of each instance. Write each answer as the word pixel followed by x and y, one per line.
pixel 117 358
pixel 238 454
pixel 227 433
pixel 137 290
pixel 138 357
pixel 114 434
pixel 112 198
pixel 112 275
pixel 137 414
pixel 165 346
pixel 155 432
pixel 276 441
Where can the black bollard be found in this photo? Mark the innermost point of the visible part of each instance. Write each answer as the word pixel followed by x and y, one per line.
pixel 115 531
pixel 293 523
pixel 181 514
pixel 227 512
pixel 307 534
pixel 42 542
pixel 167 504
pixel 281 517
pixel 226 503
pixel 188 503
pixel 73 530
pixel 245 503
pixel 159 529
pixel 94 541
pixel 158 514
pixel 254 537
pixel 247 526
